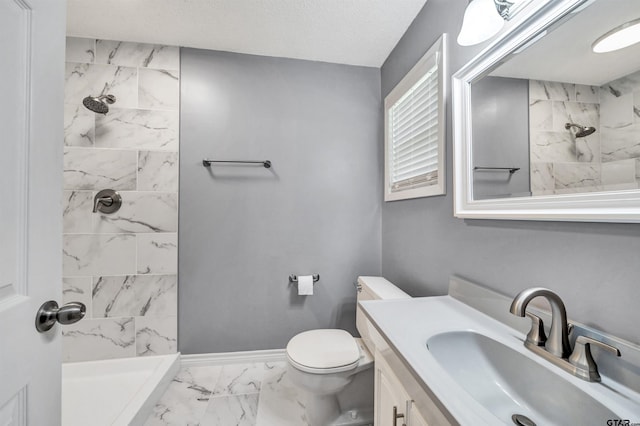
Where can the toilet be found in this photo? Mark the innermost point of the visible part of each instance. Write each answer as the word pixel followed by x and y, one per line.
pixel 334 369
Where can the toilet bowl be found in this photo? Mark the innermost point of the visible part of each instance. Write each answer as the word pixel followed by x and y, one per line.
pixel 323 363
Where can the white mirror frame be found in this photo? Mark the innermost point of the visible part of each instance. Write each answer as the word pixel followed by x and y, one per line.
pixel 611 206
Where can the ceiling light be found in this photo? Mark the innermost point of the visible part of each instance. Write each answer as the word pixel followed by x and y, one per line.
pixel 623 36
pixel 481 22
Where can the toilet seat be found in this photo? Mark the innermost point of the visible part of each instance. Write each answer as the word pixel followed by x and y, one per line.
pixel 323 351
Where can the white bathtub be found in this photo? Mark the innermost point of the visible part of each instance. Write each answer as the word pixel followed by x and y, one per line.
pixel 117 392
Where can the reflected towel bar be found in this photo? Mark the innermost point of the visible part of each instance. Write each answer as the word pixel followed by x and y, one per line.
pixel 207 163
pixel 294 278
pixel 511 170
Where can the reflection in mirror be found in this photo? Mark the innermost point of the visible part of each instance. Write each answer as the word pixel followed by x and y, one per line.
pixel 567 118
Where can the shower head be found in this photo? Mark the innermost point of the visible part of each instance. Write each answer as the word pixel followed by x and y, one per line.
pixel 582 130
pixel 98 104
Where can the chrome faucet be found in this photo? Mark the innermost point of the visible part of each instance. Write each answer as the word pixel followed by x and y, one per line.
pixel 556 348
pixel 558 341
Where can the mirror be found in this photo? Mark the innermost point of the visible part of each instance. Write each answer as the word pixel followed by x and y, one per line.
pixel 546 129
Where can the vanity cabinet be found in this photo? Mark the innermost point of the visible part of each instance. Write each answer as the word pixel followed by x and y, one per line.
pixel 394 405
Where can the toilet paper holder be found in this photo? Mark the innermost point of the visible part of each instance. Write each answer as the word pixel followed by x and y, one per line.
pixel 294 278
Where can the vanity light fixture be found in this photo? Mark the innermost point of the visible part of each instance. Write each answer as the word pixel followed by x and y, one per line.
pixel 623 36
pixel 485 18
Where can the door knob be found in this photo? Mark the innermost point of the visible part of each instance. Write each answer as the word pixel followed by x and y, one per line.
pixel 49 313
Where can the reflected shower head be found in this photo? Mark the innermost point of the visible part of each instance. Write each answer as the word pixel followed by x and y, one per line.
pixel 98 104
pixel 582 130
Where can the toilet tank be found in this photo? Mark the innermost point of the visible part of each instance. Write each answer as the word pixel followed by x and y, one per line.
pixel 373 288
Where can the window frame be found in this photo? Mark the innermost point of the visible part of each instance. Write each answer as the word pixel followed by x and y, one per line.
pixel 419 70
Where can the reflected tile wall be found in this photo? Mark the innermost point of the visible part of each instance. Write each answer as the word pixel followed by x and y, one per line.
pixel 122 265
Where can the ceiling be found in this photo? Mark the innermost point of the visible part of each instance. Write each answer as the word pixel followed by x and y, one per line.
pixel 565 53
pixel 355 32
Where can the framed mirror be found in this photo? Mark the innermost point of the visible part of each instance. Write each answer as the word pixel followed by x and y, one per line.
pixel 545 128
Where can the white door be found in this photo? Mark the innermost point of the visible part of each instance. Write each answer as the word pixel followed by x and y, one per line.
pixel 32 40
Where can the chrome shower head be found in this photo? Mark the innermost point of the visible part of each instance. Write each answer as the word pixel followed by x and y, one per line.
pixel 582 130
pixel 98 104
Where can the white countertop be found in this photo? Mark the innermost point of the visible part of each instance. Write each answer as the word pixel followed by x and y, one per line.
pixel 407 324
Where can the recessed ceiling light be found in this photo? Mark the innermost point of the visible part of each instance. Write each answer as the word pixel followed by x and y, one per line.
pixel 623 36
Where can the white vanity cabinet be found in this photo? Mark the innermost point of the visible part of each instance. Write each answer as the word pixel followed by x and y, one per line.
pixel 394 405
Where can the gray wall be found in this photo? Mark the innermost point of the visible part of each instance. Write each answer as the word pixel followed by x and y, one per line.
pixel 594 267
pixel 243 230
pixel 500 122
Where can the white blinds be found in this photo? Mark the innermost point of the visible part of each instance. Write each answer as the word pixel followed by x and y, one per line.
pixel 413 132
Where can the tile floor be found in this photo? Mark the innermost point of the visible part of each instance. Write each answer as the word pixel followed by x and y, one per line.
pixel 256 394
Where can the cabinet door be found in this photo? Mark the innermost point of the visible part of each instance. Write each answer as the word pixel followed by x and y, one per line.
pixel 390 397
pixel 415 418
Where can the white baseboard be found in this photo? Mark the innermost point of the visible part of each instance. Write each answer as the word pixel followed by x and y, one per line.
pixel 201 360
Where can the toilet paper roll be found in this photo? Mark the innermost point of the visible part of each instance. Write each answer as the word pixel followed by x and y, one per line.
pixel 305 285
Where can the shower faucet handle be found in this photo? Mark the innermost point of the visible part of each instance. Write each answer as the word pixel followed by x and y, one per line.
pixel 107 201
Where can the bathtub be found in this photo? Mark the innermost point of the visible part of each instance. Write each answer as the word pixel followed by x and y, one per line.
pixel 116 392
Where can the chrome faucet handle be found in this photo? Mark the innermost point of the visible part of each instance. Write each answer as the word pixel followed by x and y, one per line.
pixel 581 358
pixel 536 335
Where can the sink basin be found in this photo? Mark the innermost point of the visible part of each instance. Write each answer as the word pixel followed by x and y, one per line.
pixel 506 382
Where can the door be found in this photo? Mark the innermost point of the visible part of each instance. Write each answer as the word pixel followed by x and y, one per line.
pixel 32 37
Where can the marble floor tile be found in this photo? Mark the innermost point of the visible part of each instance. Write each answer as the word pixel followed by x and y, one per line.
pixel 280 402
pixel 235 410
pixel 186 399
pixel 243 378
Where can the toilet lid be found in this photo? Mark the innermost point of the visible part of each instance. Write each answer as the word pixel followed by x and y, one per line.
pixel 323 349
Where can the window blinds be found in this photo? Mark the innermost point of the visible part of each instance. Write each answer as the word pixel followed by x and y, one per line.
pixel 413 130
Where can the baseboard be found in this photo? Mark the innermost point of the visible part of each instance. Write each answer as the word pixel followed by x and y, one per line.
pixel 271 355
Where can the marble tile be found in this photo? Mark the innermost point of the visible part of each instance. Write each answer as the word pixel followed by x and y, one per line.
pixel 92 339
pixel 137 55
pixel 542 180
pixel 580 113
pixel 141 212
pixel 157 253
pixel 82 80
pixel 138 129
pixel 237 410
pixel 79 125
pixel 588 148
pixel 553 91
pixel 77 213
pixel 186 399
pixel 97 169
pixel 546 147
pixel 617 112
pixel 281 403
pixel 620 86
pixel 135 295
pixel 636 106
pixel 156 335
pixel 158 89
pixel 86 254
pixel 77 289
pixel 540 115
pixel 80 50
pixel 620 143
pixel 158 171
pixel 238 379
pixel 586 93
pixel 619 172
pixel 576 175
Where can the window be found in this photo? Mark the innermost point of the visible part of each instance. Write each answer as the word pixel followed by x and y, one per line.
pixel 415 130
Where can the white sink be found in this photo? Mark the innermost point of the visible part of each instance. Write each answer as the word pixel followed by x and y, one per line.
pixel 481 373
pixel 506 382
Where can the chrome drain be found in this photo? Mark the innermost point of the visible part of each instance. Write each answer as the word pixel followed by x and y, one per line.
pixel 521 420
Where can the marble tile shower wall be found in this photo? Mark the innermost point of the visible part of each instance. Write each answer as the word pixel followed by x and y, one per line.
pixel 123 266
pixel 608 159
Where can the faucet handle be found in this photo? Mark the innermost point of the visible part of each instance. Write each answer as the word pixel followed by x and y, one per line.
pixel 536 335
pixel 583 361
